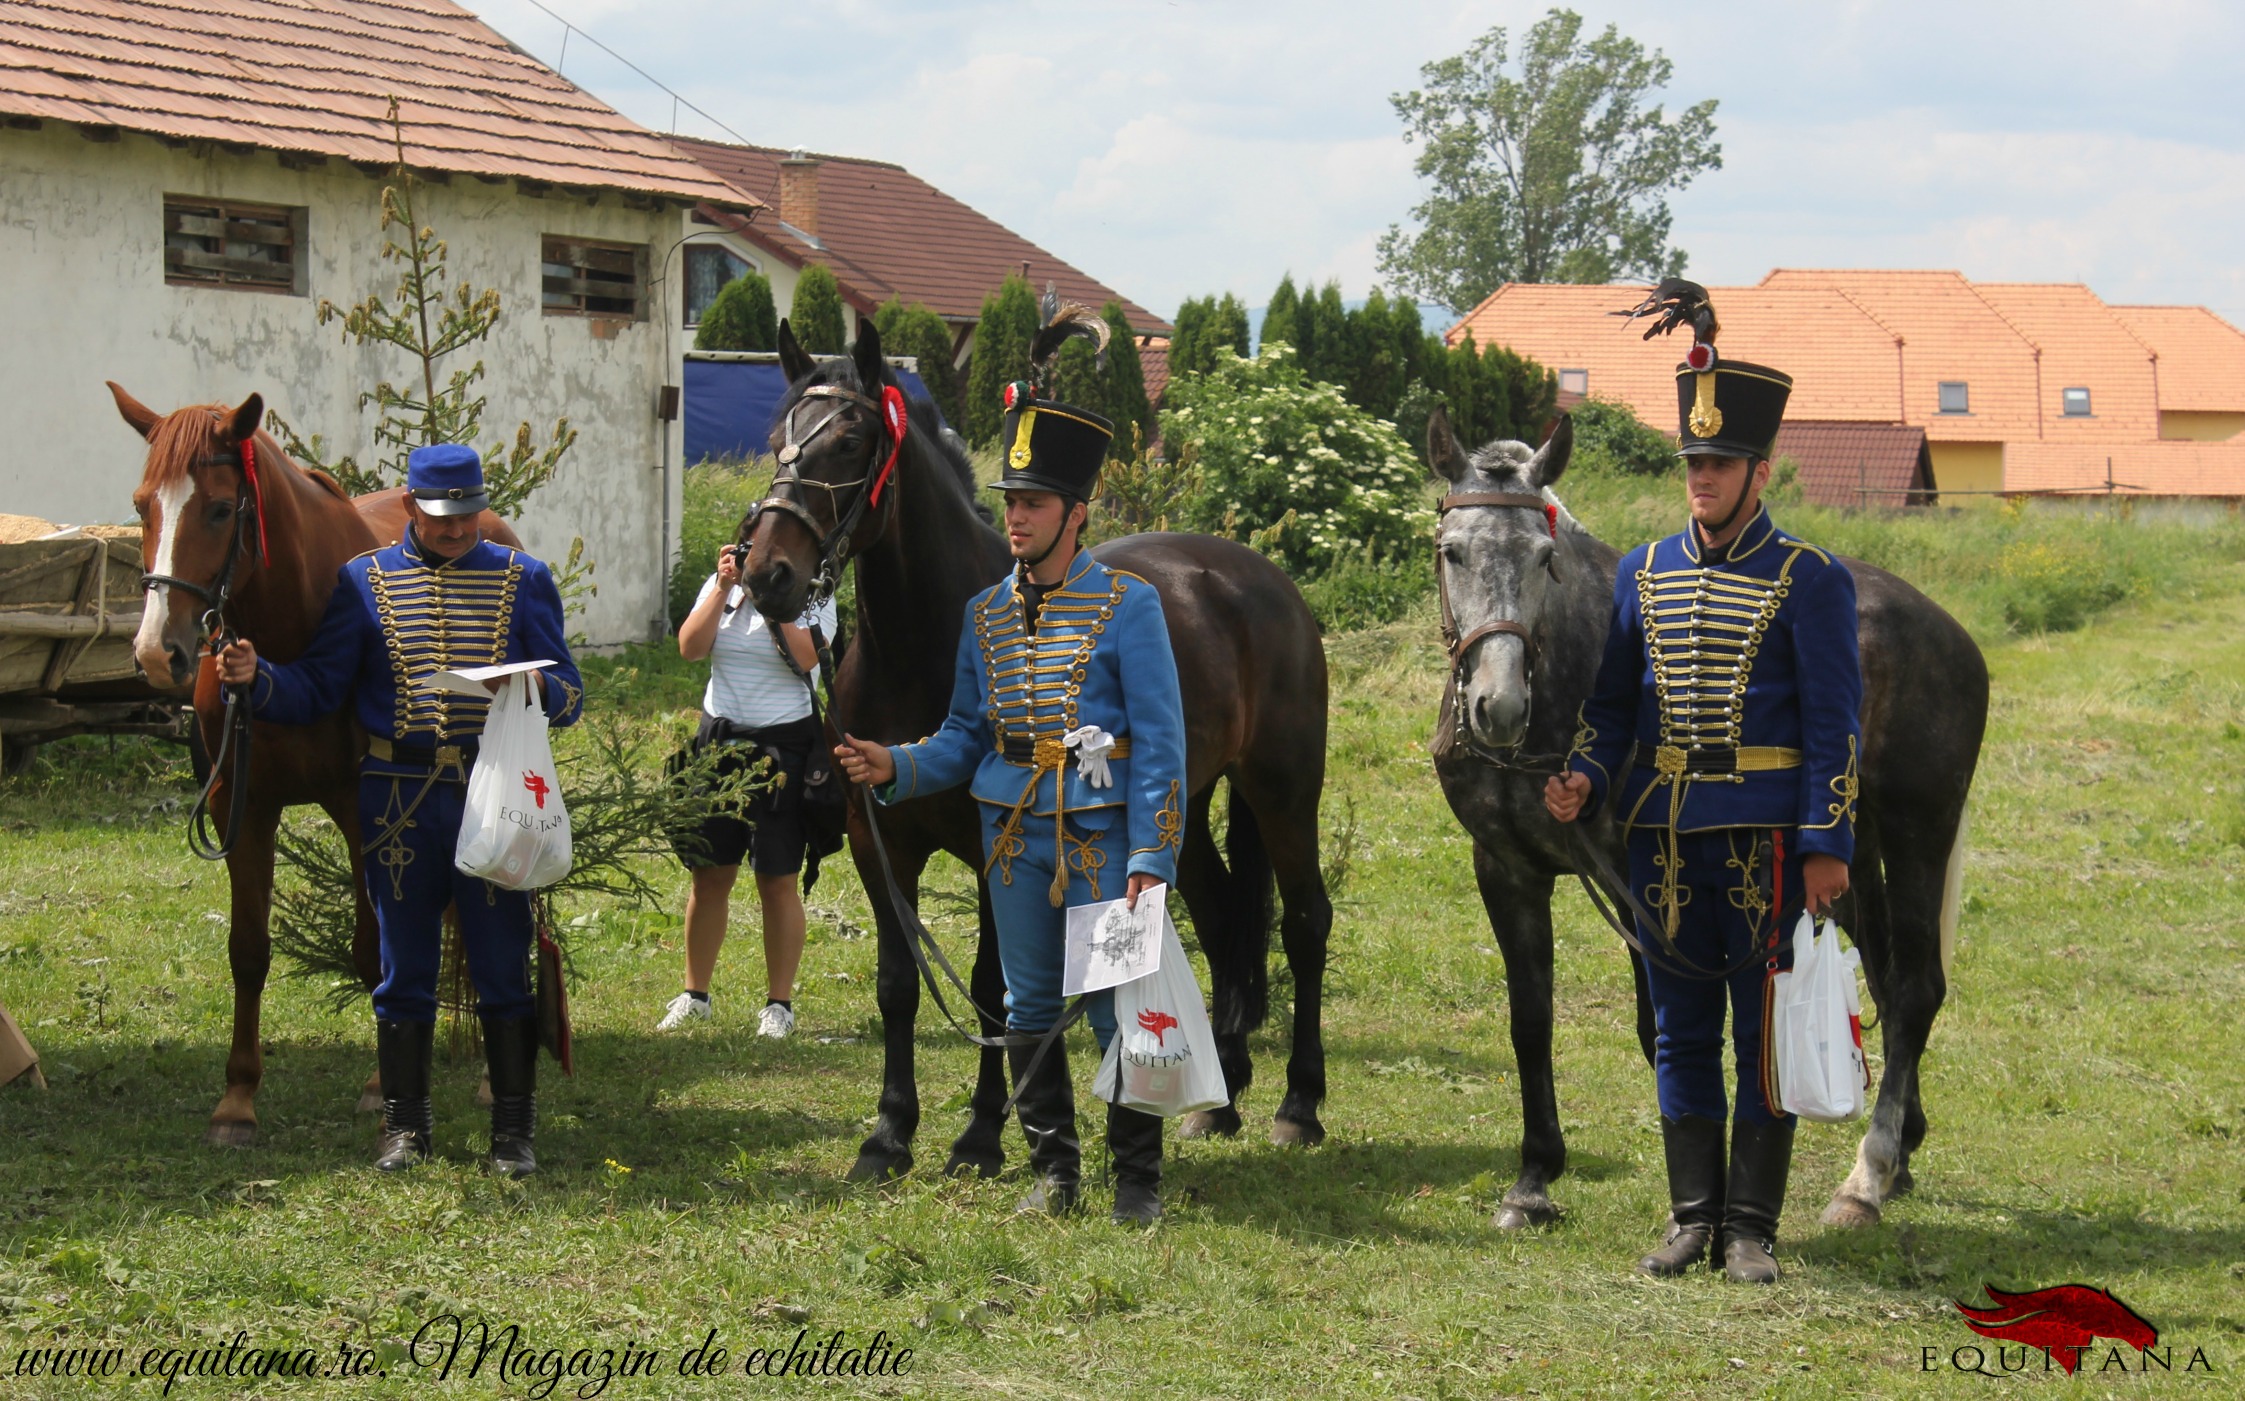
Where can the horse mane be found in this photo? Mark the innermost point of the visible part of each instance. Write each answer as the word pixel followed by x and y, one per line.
pixel 182 440
pixel 1504 464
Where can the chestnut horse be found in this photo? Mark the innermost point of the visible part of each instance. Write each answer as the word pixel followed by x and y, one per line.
pixel 281 560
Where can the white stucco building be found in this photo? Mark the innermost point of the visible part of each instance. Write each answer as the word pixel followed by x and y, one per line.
pixel 177 205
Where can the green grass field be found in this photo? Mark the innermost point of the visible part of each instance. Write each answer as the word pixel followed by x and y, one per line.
pixel 2085 1090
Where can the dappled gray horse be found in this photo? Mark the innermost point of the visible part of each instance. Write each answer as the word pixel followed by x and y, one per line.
pixel 1527 596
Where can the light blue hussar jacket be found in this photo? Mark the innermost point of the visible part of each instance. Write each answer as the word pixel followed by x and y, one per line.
pixel 1098 653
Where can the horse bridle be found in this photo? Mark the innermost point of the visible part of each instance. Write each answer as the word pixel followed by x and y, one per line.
pixel 1461 647
pixel 836 545
pixel 232 759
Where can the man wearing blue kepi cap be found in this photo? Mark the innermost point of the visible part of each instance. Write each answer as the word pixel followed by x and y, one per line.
pixel 441 599
pixel 1066 717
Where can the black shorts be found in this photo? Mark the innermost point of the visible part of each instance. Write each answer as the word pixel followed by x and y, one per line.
pixel 768 828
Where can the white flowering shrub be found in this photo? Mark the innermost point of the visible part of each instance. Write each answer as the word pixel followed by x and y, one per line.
pixel 1270 440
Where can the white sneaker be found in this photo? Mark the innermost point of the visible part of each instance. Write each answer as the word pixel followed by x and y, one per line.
pixel 776 1022
pixel 683 1008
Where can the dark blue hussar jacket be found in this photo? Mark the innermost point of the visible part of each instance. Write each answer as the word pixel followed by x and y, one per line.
pixel 1730 692
pixel 397 618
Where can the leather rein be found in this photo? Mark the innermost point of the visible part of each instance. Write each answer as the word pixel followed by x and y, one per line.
pixel 231 762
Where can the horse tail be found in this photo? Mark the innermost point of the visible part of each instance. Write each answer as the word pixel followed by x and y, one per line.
pixel 1952 889
pixel 1248 910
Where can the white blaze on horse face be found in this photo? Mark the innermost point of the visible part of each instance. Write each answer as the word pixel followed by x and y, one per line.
pixel 165 513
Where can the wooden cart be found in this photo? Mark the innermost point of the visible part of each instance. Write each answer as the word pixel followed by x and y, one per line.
pixel 68 610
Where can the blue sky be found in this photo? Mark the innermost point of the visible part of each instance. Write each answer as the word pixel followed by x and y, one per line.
pixel 1176 147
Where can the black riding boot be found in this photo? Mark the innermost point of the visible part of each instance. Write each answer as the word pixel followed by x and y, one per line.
pixel 401 1056
pixel 510 1049
pixel 1134 1144
pixel 1694 1149
pixel 1761 1158
pixel 1046 1101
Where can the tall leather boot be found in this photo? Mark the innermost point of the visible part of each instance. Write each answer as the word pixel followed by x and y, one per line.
pixel 1761 1159
pixel 1694 1149
pixel 510 1050
pixel 1134 1145
pixel 1046 1102
pixel 401 1056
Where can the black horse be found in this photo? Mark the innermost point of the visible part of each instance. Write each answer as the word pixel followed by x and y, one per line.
pixel 1507 719
pixel 1252 672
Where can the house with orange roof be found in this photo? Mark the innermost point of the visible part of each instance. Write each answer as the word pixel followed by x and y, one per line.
pixel 188 183
pixel 2006 387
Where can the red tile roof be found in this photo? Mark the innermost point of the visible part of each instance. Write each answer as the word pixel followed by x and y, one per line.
pixel 2083 345
pixel 1857 464
pixel 2201 357
pixel 317 76
pixel 886 232
pixel 1153 363
pixel 1949 332
pixel 2140 469
pixel 1843 361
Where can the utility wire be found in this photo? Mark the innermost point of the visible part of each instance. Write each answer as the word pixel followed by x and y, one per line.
pixel 676 101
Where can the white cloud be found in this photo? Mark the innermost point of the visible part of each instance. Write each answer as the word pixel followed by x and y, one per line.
pixel 1177 148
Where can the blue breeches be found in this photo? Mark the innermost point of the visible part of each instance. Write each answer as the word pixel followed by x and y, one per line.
pixel 412 879
pixel 1032 932
pixel 1723 890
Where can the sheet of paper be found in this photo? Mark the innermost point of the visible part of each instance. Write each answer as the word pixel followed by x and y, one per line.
pixel 468 680
pixel 1109 944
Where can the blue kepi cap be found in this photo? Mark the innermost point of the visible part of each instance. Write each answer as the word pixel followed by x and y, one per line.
pixel 446 479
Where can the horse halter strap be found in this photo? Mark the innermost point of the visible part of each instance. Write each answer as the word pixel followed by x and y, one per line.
pixel 1468 500
pixel 833 545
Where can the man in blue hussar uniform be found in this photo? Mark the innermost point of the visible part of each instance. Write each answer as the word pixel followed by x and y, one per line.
pixel 1723 733
pixel 442 599
pixel 1066 717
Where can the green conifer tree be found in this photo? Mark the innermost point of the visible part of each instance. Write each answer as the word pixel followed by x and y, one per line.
pixel 1188 336
pixel 1001 355
pixel 1278 317
pixel 740 317
pixel 816 312
pixel 1227 325
pixel 918 332
pixel 1126 381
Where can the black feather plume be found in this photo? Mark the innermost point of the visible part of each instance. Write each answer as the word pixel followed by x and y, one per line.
pixel 1063 323
pixel 1676 302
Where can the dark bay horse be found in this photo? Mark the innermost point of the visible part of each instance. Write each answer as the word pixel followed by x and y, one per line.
pixel 199 523
pixel 1252 672
pixel 1508 718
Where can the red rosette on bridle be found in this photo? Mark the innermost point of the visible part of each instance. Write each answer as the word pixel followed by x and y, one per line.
pixel 897 422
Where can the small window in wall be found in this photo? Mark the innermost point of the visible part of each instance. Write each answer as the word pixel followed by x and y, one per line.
pixel 709 267
pixel 1574 381
pixel 584 278
pixel 2077 403
pixel 213 243
pixel 1956 396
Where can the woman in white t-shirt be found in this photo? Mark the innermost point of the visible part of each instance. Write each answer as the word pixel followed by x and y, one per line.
pixel 757 708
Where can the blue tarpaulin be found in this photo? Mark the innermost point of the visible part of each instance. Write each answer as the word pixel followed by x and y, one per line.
pixel 730 403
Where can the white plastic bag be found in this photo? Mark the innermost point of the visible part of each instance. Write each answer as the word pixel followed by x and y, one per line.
pixel 515 832
pixel 1821 1073
pixel 1163 1057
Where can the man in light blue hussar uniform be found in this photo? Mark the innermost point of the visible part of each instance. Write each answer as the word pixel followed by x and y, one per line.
pixel 441 599
pixel 1065 716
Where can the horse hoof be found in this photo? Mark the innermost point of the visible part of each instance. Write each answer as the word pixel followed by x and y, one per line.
pixel 1290 1133
pixel 1903 1183
pixel 966 1164
pixel 230 1135
pixel 1851 1213
pixel 370 1102
pixel 1520 1216
pixel 877 1165
pixel 1210 1123
pixel 483 1092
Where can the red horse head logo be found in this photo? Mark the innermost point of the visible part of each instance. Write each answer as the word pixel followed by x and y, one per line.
pixel 1157 1023
pixel 536 784
pixel 2064 1321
